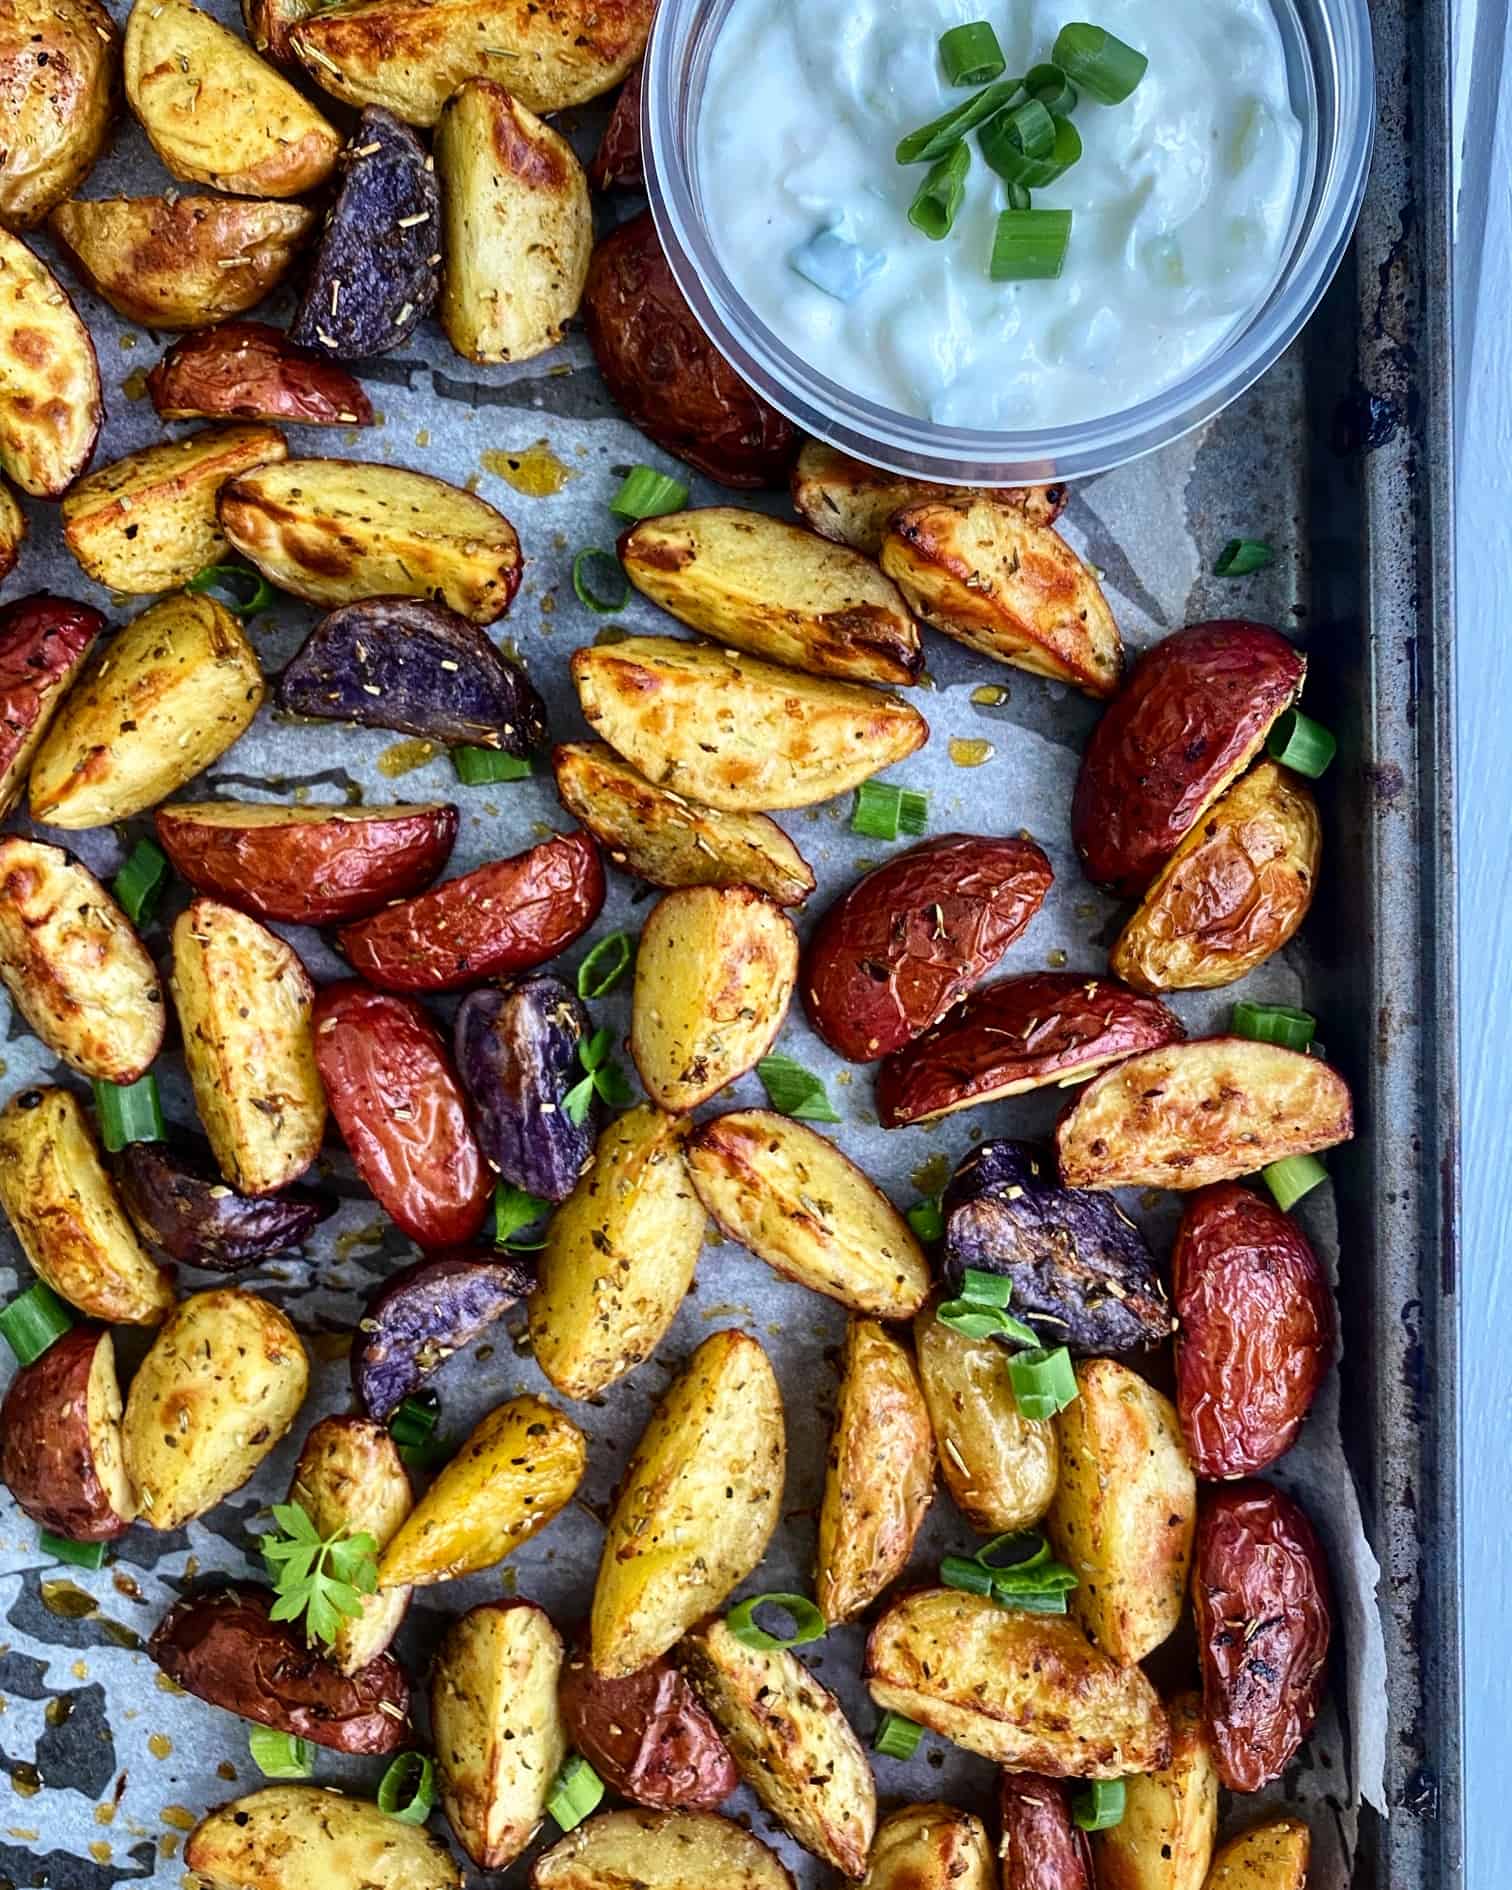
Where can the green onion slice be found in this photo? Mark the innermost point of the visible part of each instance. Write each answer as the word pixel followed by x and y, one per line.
pixel 515 1208
pixel 407 1790
pixel 1098 1806
pixel 1016 1553
pixel 926 1218
pixel 939 197
pixel 808 1623
pixel 1099 62
pixel 576 1792
pixel 933 140
pixel 986 1289
pixel 1052 88
pixel 1018 197
pixel 605 965
pixel 979 1312
pixel 78 1554
pixel 139 884
pixel 883 811
pixel 897 1737
pixel 1030 127
pixel 1044 1382
pixel 33 1320
pixel 280 1754
pixel 430 1455
pixel 1300 743
pixel 647 493
pixel 415 1419
pixel 477 766
pixel 971 55
pixel 1029 245
pixel 967 1573
pixel 1240 556
pixel 1274 1023
pixel 129 1112
pixel 794 1091
pixel 1292 1177
pixel 244 592
pixel 1003 152
pixel 592 563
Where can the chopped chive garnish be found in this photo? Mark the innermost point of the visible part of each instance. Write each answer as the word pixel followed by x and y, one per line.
pixel 415 1419
pixel 1014 1571
pixel 926 1219
pixel 1030 128
pixel 1274 1023
pixel 1300 743
pixel 933 140
pixel 407 1790
pixel 808 1623
pixel 244 592
pixel 794 1091
pixel 1006 155
pixel 1098 1806
pixel 883 811
pixel 477 766
pixel 77 1554
pixel 576 1792
pixel 514 1209
pixel 1291 1178
pixel 605 965
pixel 897 1737
pixel 1029 245
pixel 1043 1382
pixel 139 884
pixel 1100 63
pixel 980 1311
pixel 280 1754
pixel 966 1573
pixel 1240 556
pixel 647 493
pixel 33 1320
pixel 1018 196
pixel 971 55
pixel 1052 88
pixel 129 1112
pixel 592 564
pixel 1017 1553
pixel 939 197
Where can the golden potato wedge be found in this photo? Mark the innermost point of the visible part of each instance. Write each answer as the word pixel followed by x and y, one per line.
pixel 181 262
pixel 64 1208
pixel 74 968
pixel 619 1257
pixel 760 584
pixel 734 732
pixel 1027 1690
pixel 696 1507
pixel 659 1850
pixel 50 404
pixel 1208 1110
pixel 930 1847
pixel 670 841
pixel 1165 1841
pixel 308 1837
pixel 497 1729
pixel 148 522
pixel 217 114
pixel 338 530
pixel 155 705
pixel 879 1480
pixel 850 502
pixel 1232 893
pixel 786 1192
pixel 221 1383
pixel 790 1740
pixel 984 573
pixel 244 1005
pixel 518 1467
pixel 518 226
pixel 999 1466
pixel 269 23
pixel 12 530
pixel 714 975
pixel 350 1476
pixel 60 70
pixel 1271 1856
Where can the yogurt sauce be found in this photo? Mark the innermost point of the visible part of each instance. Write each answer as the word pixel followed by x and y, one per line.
pixel 1182 201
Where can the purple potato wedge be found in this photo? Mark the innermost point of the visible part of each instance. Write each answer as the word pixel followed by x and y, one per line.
pixel 418 1317
pixel 179 1200
pixel 409 664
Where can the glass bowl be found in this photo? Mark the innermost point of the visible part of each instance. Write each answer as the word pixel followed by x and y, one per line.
pixel 1331 75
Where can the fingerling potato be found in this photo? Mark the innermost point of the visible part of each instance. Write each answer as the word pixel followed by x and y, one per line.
pixel 249 371
pixel 1040 1846
pixel 12 530
pixel 646 1735
pixel 43 643
pixel 50 404
pixel 60 71
pixel 1165 1839
pixel 930 1847
pixel 349 1476
pixel 60 1440
pixel 850 502
pixel 1271 1856
pixel 659 1850
pixel 308 1837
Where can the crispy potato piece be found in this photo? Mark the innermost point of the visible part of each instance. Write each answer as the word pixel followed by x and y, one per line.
pixel 982 572
pixel 518 1467
pixel 1125 1509
pixel 158 703
pixel 772 588
pixel 646 1735
pixel 786 1192
pixel 338 530
pixel 50 404
pixel 222 1382
pixel 619 1256
pixel 518 226
pixel 1029 1691
pixel 12 530
pixel 350 1476
pixel 71 1226
pixel 696 1507
pixel 880 1477
pixel 74 968
pixel 734 732
pixel 1271 1856
pixel 217 114
pixel 791 1741
pixel 659 1850
pixel 308 1837
pixel 60 1440
pixel 43 643
pixel 244 1004
pixel 497 1728
pixel 1040 1845
pixel 182 262
pixel 617 162
pixel 1165 1841
pixel 930 1847
pixel 670 841
pixel 1191 1113
pixel 714 975
pixel 850 502
pixel 269 22
pixel 249 371
pixel 60 76
pixel 147 522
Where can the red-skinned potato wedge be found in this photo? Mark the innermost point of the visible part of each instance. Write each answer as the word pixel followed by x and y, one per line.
pixel 850 502
pixel 1040 1847
pixel 50 404
pixel 60 77
pixel 306 865
pixel 1192 1113
pixel 1019 1034
pixel 646 1735
pixel 1255 1329
pixel 659 1850
pixel 909 940
pixel 12 530
pixel 43 643
pixel 1271 1856
pixel 305 1837
pixel 1193 716
pixel 249 371
pixel 1164 1841
pixel 617 161
pixel 500 918
pixel 60 1440
pixel 930 1847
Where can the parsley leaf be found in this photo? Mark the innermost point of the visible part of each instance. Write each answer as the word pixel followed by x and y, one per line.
pixel 319 1578
pixel 603 1076
pixel 514 1210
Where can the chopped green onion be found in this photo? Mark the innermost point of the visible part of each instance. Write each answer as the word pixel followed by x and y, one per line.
pixel 939 197
pixel 986 1289
pixel 971 55
pixel 139 884
pixel 966 1573
pixel 602 563
pixel 1044 1382
pixel 576 1792
pixel 933 140
pixel 1007 157
pixel 1030 127
pixel 1240 556
pixel 243 592
pixel 1274 1023
pixel 979 1311
pixel 897 1737
pixel 33 1320
pixel 407 1790
pixel 280 1754
pixel 808 1623
pixel 430 1455
pixel 883 811
pixel 605 965
pixel 1098 62
pixel 1052 88
pixel 129 1112
pixel 415 1419
pixel 926 1218
pixel 513 1209
pixel 1029 245
pixel 79 1554
pixel 1018 197
pixel 647 493
pixel 795 1091
pixel 1034 1552
pixel 1099 1805
pixel 1292 1177
pixel 1300 743
pixel 477 766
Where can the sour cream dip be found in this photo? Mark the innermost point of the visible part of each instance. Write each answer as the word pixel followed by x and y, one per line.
pixel 1182 202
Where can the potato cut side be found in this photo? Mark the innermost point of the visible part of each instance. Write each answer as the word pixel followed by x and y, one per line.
pixel 931 1847
pixel 307 1837
pixel 1271 1856
pixel 659 1850
pixel 62 61
pixel 350 1476
pixel 1165 1838
pixel 50 405
pixel 850 502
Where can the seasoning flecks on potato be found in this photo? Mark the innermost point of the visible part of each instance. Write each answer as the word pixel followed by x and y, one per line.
pixel 852 503
pixel 50 403
pixel 43 643
pixel 306 1837
pixel 249 371
pixel 60 67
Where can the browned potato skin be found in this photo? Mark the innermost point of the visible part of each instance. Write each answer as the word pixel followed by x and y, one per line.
pixel 646 1735
pixel 308 1837
pixel 269 23
pixel 1165 1841
pixel 659 1850
pixel 1271 1856
pixel 880 1477
pixel 850 502
pixel 50 403
pixel 930 1847
pixel 350 1476
pixel 60 1440
pixel 60 81
pixel 249 371
pixel 43 643
pixel 12 531
pixel 1041 1848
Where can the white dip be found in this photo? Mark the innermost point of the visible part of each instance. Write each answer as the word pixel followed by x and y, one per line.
pixel 1182 201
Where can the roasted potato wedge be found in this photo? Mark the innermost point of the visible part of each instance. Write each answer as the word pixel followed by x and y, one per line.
pixel 217 114
pixel 337 530
pixel 60 76
pixel 696 1507
pixel 147 522
pixel 350 1476
pixel 1040 1846
pixel 60 1440
pixel 177 1197
pixel 1029 1691
pixel 1165 1841
pixel 791 1742
pixel 850 502
pixel 268 23
pixel 50 404
pixel 757 583
pixel 416 1318
pixel 930 1847
pixel 617 161
pixel 71 1226
pixel 879 1480
pixel 646 1735
pixel 619 1257
pixel 518 226
pixel 155 706
pixel 249 371
pixel 734 732
pixel 222 1382
pixel 1124 1509
pixel 1271 1856
pixel 43 643
pixel 308 1837
pixel 12 530
pixel 1193 1113
pixel 982 571
pixel 659 1850
pixel 517 1054
pixel 180 262
pixel 517 1468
